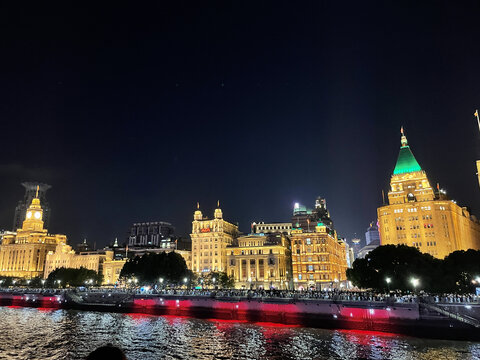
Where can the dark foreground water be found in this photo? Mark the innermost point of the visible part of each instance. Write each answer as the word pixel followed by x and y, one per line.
pixel 27 333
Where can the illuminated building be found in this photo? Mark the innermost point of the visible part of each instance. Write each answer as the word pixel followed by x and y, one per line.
pixel 261 261
pixel 111 271
pixel 418 216
pixel 356 246
pixel 319 257
pixel 64 256
pixel 152 234
pixel 84 246
pixel 271 228
pixel 303 217
pixel 23 254
pixel 372 238
pixel 210 238
pixel 30 193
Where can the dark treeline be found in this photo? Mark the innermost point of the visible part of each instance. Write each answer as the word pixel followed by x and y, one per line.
pixel 63 277
pixel 170 267
pixel 394 267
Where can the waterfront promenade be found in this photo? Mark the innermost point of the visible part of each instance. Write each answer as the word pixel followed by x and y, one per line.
pixel 361 296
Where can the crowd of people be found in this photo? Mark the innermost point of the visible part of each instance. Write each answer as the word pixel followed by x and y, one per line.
pixel 335 295
pixel 330 295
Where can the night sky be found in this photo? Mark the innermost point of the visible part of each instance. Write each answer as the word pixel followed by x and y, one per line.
pixel 135 113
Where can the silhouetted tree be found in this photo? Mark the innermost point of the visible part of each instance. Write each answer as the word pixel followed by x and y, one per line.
pixel 149 268
pixel 398 263
pixel 73 277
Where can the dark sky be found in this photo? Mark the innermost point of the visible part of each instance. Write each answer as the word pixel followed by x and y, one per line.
pixel 136 112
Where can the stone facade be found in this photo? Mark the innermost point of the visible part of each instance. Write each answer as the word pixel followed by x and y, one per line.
pixel 419 216
pixel 210 238
pixel 258 261
pixel 319 258
pixel 23 254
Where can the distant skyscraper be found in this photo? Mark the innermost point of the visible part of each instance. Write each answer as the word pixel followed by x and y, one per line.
pixel 372 236
pixel 304 218
pixel 356 245
pixel 152 234
pixel 84 246
pixel 30 192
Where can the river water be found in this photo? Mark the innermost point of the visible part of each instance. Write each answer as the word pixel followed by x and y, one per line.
pixel 29 333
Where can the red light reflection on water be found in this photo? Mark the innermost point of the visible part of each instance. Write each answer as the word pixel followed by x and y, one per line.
pixel 45 309
pixel 276 325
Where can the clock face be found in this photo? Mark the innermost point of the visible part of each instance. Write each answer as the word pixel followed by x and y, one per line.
pixel 29 215
pixel 37 215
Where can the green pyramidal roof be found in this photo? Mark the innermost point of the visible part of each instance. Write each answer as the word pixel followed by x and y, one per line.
pixel 406 162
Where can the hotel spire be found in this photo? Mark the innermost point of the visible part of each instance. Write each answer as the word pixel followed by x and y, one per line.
pixel 406 162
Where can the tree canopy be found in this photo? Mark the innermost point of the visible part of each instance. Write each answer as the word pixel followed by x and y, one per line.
pixel 149 268
pixel 222 280
pixel 400 264
pixel 73 277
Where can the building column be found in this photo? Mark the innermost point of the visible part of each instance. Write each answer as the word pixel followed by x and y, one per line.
pixel 240 270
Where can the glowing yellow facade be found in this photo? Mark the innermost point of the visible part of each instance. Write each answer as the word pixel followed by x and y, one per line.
pixel 23 254
pixel 210 238
pixel 319 258
pixel 258 261
pixel 111 271
pixel 64 256
pixel 418 216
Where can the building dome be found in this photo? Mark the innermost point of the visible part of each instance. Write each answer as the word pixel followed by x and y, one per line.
pixel 218 212
pixel 198 214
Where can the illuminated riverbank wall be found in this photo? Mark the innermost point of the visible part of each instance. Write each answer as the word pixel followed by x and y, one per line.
pixel 402 318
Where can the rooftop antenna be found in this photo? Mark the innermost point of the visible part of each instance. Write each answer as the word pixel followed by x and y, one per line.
pixel 478 161
pixel 478 120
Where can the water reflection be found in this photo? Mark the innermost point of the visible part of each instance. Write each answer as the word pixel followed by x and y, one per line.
pixel 59 334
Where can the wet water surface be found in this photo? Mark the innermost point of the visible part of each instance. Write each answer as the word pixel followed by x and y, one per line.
pixel 27 333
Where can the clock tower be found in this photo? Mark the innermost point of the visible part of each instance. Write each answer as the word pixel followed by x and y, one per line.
pixel 34 216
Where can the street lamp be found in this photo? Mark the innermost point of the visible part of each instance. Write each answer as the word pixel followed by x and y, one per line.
pixel 415 282
pixel 161 280
pixel 43 282
pixel 388 281
pixel 213 280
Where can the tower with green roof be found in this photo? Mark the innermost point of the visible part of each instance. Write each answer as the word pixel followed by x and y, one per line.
pixel 418 216
pixel 409 182
pixel 406 162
